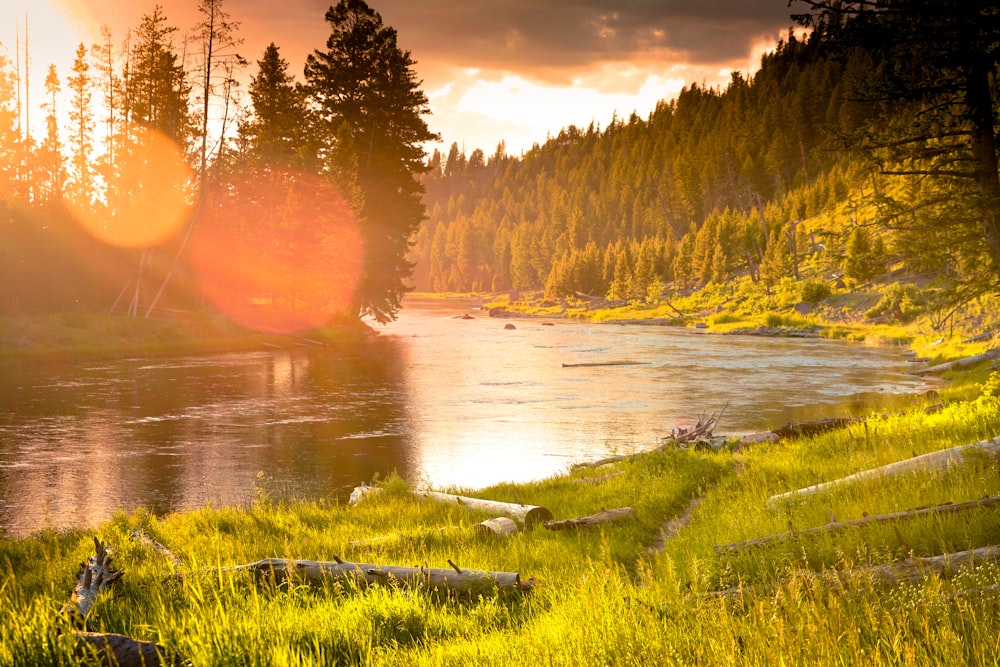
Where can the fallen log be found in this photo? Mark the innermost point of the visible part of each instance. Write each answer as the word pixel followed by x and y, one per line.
pixel 959 363
pixel 112 649
pixel 835 526
pixel 700 431
pixel 909 571
pixel 604 516
pixel 454 580
pixel 915 570
pixel 606 363
pixel 756 438
pixel 142 537
pixel 526 514
pixel 499 525
pixel 96 576
pixel 107 648
pixel 794 430
pixel 933 461
pixel 529 515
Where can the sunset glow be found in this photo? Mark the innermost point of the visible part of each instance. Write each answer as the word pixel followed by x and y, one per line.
pixel 152 205
pixel 278 251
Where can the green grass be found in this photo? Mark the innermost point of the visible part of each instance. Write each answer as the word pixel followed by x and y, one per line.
pixel 601 598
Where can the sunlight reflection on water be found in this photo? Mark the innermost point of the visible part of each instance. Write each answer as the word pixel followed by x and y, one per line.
pixel 443 401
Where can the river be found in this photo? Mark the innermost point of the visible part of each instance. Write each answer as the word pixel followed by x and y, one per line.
pixel 441 400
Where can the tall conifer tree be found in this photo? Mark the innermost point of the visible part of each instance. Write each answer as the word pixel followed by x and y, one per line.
pixel 371 106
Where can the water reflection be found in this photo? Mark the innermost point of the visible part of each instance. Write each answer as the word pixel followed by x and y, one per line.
pixel 79 441
pixel 441 400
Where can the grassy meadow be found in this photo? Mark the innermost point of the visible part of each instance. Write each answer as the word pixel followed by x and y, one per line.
pixel 602 596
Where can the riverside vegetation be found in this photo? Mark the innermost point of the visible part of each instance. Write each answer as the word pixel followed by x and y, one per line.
pixel 601 597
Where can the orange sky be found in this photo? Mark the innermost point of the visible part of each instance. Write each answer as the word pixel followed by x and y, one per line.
pixel 515 70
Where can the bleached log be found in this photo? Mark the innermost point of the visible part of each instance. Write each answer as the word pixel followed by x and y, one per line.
pixel 96 575
pixel 934 460
pixel 756 438
pixel 526 514
pixel 108 648
pixel 142 537
pixel 455 580
pixel 604 516
pixel 835 526
pixel 361 492
pixel 910 571
pixel 959 363
pixel 499 525
pixel 914 570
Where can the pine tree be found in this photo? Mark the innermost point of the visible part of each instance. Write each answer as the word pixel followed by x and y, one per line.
pixel 50 159
pixel 81 183
pixel 371 106
pixel 278 129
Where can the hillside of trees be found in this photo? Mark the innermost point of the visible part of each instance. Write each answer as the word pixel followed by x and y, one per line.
pixel 796 172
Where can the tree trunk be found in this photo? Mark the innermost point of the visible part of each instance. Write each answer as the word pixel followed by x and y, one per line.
pixel 934 460
pixel 604 516
pixel 455 580
pixel 984 151
pixel 835 526
pixel 529 515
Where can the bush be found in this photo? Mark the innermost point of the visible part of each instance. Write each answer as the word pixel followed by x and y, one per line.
pixel 814 291
pixel 902 302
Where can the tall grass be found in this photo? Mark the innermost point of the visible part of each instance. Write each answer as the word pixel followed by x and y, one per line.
pixel 601 597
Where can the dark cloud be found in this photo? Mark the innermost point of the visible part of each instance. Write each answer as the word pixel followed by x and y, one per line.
pixel 543 36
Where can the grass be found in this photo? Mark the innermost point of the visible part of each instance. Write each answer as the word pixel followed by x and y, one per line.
pixel 79 335
pixel 602 598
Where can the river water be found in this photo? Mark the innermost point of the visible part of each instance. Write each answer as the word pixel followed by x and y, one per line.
pixel 441 400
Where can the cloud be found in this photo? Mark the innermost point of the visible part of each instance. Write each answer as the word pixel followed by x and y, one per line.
pixel 551 40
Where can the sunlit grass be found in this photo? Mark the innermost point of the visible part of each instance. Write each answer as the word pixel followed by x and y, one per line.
pixel 601 597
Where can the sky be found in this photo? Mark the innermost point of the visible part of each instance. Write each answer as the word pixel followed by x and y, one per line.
pixel 511 70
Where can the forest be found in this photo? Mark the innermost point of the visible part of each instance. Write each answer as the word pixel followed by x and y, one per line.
pixel 847 155
pixel 265 211
pixel 864 145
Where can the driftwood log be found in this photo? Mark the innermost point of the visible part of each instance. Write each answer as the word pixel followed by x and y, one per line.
pixel 107 648
pixel 794 430
pixel 959 363
pixel 499 525
pixel 96 576
pixel 835 526
pixel 909 571
pixel 934 460
pixel 592 364
pixel 528 515
pixel 604 516
pixel 454 580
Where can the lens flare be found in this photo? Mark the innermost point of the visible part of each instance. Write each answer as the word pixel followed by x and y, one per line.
pixel 278 250
pixel 147 201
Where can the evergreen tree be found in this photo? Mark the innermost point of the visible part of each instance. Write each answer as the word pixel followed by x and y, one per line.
pixel 9 136
pixel 156 90
pixel 81 183
pixel 371 105
pixel 930 70
pixel 50 159
pixel 278 130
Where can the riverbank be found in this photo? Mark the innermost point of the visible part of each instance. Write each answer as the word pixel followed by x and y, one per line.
pixel 85 335
pixel 934 324
pixel 653 589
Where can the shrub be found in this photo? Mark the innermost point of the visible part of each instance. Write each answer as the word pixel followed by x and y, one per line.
pixel 814 291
